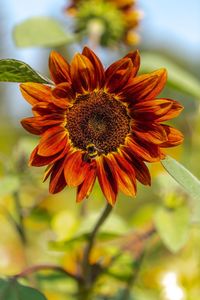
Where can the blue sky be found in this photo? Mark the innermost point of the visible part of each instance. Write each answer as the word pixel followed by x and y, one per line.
pixel 172 24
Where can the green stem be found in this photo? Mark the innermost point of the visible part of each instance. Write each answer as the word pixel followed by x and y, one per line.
pixel 137 266
pixel 87 275
pixel 20 227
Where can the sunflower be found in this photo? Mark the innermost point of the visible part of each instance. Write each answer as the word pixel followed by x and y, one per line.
pixel 114 20
pixel 99 123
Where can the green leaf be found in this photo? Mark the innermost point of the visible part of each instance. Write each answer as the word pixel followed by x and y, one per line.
pixel 188 181
pixel 178 78
pixel 12 70
pixel 64 245
pixel 40 31
pixel 8 185
pixel 172 226
pixel 12 290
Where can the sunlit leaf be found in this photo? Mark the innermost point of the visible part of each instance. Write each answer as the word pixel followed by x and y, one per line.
pixel 187 180
pixel 40 31
pixel 178 78
pixel 172 226
pixel 8 185
pixel 12 290
pixel 12 70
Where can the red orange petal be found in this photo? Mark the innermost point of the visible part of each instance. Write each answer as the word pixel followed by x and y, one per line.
pixel 107 180
pixel 82 72
pixel 85 188
pixel 98 67
pixel 146 86
pixel 118 74
pixel 59 68
pixel 37 125
pixel 63 95
pixel 150 110
pixel 75 169
pixel 150 132
pixel 57 179
pixel 135 58
pixel 37 160
pixel 146 151
pixel 35 92
pixel 174 111
pixel 52 141
pixel 141 171
pixel 125 179
pixel 174 137
pixel 44 108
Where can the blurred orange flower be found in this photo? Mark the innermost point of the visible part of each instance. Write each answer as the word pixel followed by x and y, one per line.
pixel 125 12
pixel 99 123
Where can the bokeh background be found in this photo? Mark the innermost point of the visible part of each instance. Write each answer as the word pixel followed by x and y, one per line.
pixel 170 28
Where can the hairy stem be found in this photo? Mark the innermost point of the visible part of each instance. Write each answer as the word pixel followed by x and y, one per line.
pixel 87 274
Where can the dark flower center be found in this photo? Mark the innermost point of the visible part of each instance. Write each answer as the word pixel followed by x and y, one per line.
pixel 99 119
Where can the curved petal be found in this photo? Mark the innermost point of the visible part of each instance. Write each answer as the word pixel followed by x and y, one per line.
pixel 38 125
pixel 150 110
pixel 118 74
pixel 146 86
pixel 63 95
pixel 135 58
pixel 48 171
pixel 59 68
pixel 146 151
pixel 52 141
pixel 98 67
pixel 82 72
pixel 125 174
pixel 35 92
pixel 107 179
pixel 44 108
pixel 150 132
pixel 174 137
pixel 75 169
pixel 57 179
pixel 37 160
pixel 85 188
pixel 141 171
pixel 174 111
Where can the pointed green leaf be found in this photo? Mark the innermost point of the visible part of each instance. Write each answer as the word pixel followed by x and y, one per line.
pixel 172 226
pixel 178 78
pixel 40 31
pixel 12 290
pixel 187 180
pixel 12 70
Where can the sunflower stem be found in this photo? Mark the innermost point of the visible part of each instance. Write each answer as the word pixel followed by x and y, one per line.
pixel 87 268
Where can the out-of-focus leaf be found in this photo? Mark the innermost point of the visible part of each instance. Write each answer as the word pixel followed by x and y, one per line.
pixel 64 245
pixel 40 31
pixel 172 226
pixel 190 183
pixel 12 70
pixel 8 185
pixel 12 290
pixel 178 78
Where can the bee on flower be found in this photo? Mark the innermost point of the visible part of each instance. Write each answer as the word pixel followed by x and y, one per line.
pixel 97 123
